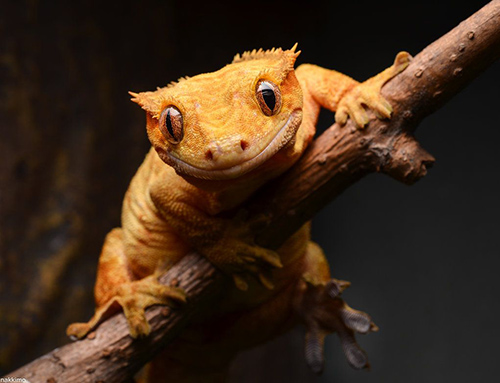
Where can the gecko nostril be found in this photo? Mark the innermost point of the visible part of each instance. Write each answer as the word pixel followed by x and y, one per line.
pixel 243 144
pixel 209 155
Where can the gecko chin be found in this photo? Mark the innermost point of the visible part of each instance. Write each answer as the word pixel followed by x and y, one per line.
pixel 283 137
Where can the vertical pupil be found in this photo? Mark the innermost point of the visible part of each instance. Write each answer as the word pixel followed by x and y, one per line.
pixel 268 96
pixel 168 123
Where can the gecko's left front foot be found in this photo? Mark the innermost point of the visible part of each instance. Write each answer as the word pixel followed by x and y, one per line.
pixel 324 312
pixel 367 94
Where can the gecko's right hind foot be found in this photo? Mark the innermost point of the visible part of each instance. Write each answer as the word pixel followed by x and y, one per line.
pixel 323 313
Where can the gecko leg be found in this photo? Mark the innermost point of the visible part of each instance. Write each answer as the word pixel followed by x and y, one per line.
pixel 115 288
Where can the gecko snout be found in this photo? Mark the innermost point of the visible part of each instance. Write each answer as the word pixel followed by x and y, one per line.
pixel 226 150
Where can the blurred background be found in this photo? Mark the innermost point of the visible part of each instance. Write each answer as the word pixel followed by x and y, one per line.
pixel 423 260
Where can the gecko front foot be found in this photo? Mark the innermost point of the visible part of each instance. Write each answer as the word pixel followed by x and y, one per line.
pixel 134 297
pixel 324 312
pixel 236 253
pixel 367 94
pixel 241 259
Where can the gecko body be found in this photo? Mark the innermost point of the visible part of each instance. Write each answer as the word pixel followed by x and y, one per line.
pixel 216 138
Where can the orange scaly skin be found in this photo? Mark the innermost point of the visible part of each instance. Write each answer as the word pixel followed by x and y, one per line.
pixel 232 137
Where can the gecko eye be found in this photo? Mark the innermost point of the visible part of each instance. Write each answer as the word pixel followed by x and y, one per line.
pixel 172 125
pixel 269 97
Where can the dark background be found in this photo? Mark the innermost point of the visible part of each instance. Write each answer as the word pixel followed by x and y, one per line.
pixel 423 259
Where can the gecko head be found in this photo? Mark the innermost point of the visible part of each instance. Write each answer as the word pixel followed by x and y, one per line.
pixel 224 124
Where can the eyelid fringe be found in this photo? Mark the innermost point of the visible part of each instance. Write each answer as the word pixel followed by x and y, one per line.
pixel 155 102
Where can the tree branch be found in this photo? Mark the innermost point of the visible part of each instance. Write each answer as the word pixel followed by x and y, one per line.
pixel 335 160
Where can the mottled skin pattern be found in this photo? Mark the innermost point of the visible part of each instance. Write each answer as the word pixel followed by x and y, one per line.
pixel 225 148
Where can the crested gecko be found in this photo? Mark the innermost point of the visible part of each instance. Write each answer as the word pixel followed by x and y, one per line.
pixel 216 138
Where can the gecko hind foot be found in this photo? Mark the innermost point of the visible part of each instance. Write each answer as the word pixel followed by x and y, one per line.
pixel 324 312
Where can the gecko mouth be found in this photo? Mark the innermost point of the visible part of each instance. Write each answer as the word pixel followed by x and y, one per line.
pixel 281 139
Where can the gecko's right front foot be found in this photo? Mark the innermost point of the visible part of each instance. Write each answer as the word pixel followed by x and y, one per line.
pixel 134 297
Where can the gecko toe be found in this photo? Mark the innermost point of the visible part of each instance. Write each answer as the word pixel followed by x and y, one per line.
pixel 77 331
pixel 335 287
pixel 137 323
pixel 355 355
pixel 357 321
pixel 314 351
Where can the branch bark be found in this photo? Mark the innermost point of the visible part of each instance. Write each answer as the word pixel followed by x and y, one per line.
pixel 335 160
